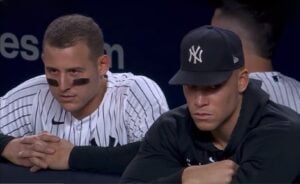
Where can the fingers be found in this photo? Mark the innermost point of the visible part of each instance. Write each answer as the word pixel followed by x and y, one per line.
pixel 39 143
pixel 29 139
pixel 38 164
pixel 37 160
pixel 42 147
pixel 236 166
pixel 45 136
pixel 35 150
pixel 232 164
pixel 30 153
pixel 35 169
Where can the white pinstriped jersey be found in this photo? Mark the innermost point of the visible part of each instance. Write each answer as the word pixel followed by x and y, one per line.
pixel 129 107
pixel 282 89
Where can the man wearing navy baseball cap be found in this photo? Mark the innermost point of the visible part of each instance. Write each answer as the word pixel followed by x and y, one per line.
pixel 228 131
pixel 208 57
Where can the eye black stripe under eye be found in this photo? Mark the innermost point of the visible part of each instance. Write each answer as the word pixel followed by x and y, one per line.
pixel 80 82
pixel 76 82
pixel 52 82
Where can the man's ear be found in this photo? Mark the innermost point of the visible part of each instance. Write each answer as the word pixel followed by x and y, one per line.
pixel 243 80
pixel 103 64
pixel 43 57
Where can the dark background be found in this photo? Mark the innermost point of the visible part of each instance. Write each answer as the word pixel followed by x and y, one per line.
pixel 148 31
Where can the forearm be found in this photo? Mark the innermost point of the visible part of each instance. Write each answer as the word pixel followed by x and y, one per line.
pixel 103 159
pixel 145 168
pixel 171 178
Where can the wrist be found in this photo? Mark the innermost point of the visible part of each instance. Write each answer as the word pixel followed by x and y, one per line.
pixel 4 140
pixel 8 151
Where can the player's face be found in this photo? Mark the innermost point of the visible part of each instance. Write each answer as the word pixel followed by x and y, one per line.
pixel 216 108
pixel 76 82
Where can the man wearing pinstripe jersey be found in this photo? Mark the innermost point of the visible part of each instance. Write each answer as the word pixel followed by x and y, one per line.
pixel 78 102
pixel 259 36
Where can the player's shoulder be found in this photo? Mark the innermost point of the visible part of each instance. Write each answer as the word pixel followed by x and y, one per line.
pixel 37 80
pixel 130 79
pixel 177 119
pixel 30 85
pixel 291 81
pixel 273 77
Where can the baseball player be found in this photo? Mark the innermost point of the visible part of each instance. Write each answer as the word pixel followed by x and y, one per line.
pixel 78 99
pixel 227 132
pixel 259 48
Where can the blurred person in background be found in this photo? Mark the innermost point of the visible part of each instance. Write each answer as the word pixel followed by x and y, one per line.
pixel 260 24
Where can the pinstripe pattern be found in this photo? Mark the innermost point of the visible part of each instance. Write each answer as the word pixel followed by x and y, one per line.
pixel 129 107
pixel 282 89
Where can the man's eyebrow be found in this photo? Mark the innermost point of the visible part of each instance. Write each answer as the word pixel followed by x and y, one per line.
pixel 68 69
pixel 75 68
pixel 49 67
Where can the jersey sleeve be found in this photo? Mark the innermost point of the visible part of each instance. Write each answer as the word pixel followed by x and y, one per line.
pixel 158 159
pixel 269 155
pixel 16 107
pixel 103 159
pixel 144 104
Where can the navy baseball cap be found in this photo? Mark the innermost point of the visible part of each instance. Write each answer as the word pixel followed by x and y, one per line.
pixel 208 56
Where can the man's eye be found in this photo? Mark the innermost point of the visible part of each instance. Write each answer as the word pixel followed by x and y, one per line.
pixel 52 70
pixel 74 71
pixel 193 87
pixel 215 87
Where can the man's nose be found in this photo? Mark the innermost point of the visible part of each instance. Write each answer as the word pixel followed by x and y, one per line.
pixel 65 82
pixel 201 99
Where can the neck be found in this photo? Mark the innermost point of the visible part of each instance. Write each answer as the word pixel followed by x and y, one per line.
pixel 256 63
pixel 220 141
pixel 222 135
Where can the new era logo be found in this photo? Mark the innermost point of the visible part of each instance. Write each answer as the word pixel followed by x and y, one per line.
pixel 235 59
pixel 195 54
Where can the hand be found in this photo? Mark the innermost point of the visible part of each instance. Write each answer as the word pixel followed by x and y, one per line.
pixel 33 144
pixel 217 172
pixel 59 160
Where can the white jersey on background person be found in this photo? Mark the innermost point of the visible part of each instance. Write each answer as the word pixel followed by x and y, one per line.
pixel 129 107
pixel 282 89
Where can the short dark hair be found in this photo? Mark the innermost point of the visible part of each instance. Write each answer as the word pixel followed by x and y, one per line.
pixel 68 30
pixel 262 20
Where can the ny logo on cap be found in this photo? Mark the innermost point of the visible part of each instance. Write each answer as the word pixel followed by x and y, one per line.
pixel 196 54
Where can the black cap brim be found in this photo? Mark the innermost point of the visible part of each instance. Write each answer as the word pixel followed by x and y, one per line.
pixel 200 78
